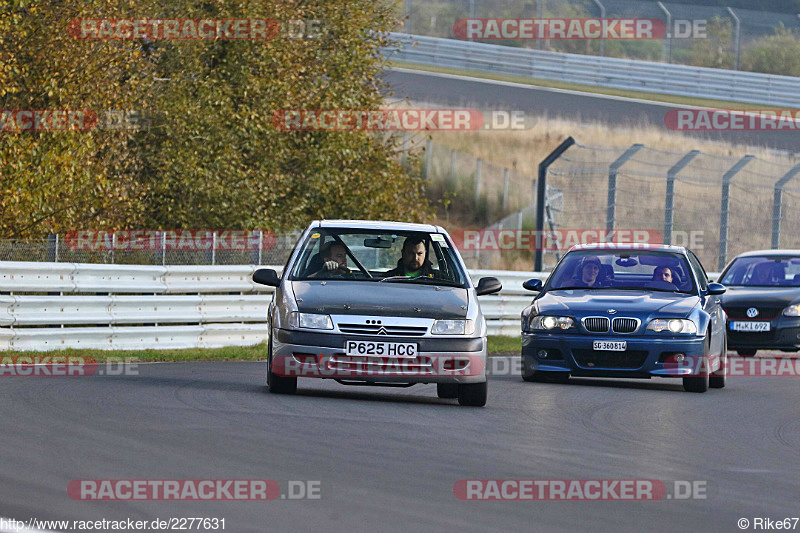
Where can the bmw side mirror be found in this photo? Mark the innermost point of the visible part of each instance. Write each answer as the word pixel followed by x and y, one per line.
pixel 716 288
pixel 488 286
pixel 266 276
pixel 534 285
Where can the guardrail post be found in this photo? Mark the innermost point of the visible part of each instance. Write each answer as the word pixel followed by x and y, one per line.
pixel 602 16
pixel 113 245
pixel 613 170
pixel 776 205
pixel 163 248
pixel 670 198
pixel 541 194
pixel 452 163
pixel 214 248
pixel 260 245
pixel 403 148
pixel 668 51
pixel 505 188
pixel 725 208
pixel 736 39
pixel 478 170
pixel 426 171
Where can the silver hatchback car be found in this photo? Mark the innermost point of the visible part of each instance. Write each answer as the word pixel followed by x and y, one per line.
pixel 377 303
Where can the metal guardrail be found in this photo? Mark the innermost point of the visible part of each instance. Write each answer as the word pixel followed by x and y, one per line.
pixel 51 306
pixel 150 315
pixel 646 76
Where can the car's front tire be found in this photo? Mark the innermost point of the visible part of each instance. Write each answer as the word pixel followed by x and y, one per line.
pixel 717 379
pixel 472 394
pixel 278 384
pixel 700 383
pixel 447 390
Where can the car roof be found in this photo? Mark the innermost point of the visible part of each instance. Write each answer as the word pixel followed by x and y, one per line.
pixel 768 252
pixel 378 225
pixel 629 246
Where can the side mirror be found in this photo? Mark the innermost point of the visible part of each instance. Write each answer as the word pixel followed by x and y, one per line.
pixel 716 288
pixel 488 286
pixel 534 285
pixel 266 276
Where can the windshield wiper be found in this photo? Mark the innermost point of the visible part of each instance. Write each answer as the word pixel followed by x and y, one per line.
pixel 423 279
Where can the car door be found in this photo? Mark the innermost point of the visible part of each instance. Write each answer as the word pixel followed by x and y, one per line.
pixel 712 304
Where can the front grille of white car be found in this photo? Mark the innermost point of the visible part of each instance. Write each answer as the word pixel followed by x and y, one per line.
pixel 378 329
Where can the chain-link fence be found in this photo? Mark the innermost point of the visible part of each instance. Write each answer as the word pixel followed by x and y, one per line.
pixel 717 206
pixel 720 39
pixel 141 247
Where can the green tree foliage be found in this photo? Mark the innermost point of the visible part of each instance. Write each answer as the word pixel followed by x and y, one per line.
pixel 211 157
pixel 57 180
pixel 776 54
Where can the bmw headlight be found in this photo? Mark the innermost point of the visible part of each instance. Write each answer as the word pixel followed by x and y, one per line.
pixel 792 310
pixel 547 322
pixel 310 321
pixel 453 327
pixel 673 325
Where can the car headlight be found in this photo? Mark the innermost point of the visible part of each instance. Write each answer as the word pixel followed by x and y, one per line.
pixel 310 321
pixel 792 310
pixel 453 327
pixel 672 325
pixel 546 322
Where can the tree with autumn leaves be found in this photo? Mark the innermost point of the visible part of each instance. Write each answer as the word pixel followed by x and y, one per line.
pixel 207 155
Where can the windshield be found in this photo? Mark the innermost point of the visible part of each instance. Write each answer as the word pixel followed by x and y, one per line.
pixel 379 256
pixel 764 271
pixel 623 269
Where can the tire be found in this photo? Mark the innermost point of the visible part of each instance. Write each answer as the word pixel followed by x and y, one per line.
pixel 699 383
pixel 746 353
pixel 472 394
pixel 278 384
pixel 447 390
pixel 717 379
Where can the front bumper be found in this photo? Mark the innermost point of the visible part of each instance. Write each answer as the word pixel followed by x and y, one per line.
pixel 322 355
pixel 783 334
pixel 643 358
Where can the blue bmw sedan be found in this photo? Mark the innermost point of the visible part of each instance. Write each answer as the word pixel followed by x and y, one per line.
pixel 626 311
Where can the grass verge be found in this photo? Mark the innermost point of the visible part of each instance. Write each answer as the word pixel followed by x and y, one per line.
pixel 497 344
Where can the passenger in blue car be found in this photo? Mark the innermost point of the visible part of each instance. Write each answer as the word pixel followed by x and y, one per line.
pixel 663 273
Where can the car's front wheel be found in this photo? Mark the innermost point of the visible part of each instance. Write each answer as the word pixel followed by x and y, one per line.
pixel 472 394
pixel 278 384
pixel 700 383
pixel 717 379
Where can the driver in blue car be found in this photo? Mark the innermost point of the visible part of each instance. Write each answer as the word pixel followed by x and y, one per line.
pixel 590 273
pixel 414 261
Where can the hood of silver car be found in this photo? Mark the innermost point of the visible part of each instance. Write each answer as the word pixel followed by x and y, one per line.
pixel 383 299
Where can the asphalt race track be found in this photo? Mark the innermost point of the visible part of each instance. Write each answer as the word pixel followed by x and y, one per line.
pixel 387 459
pixel 461 91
